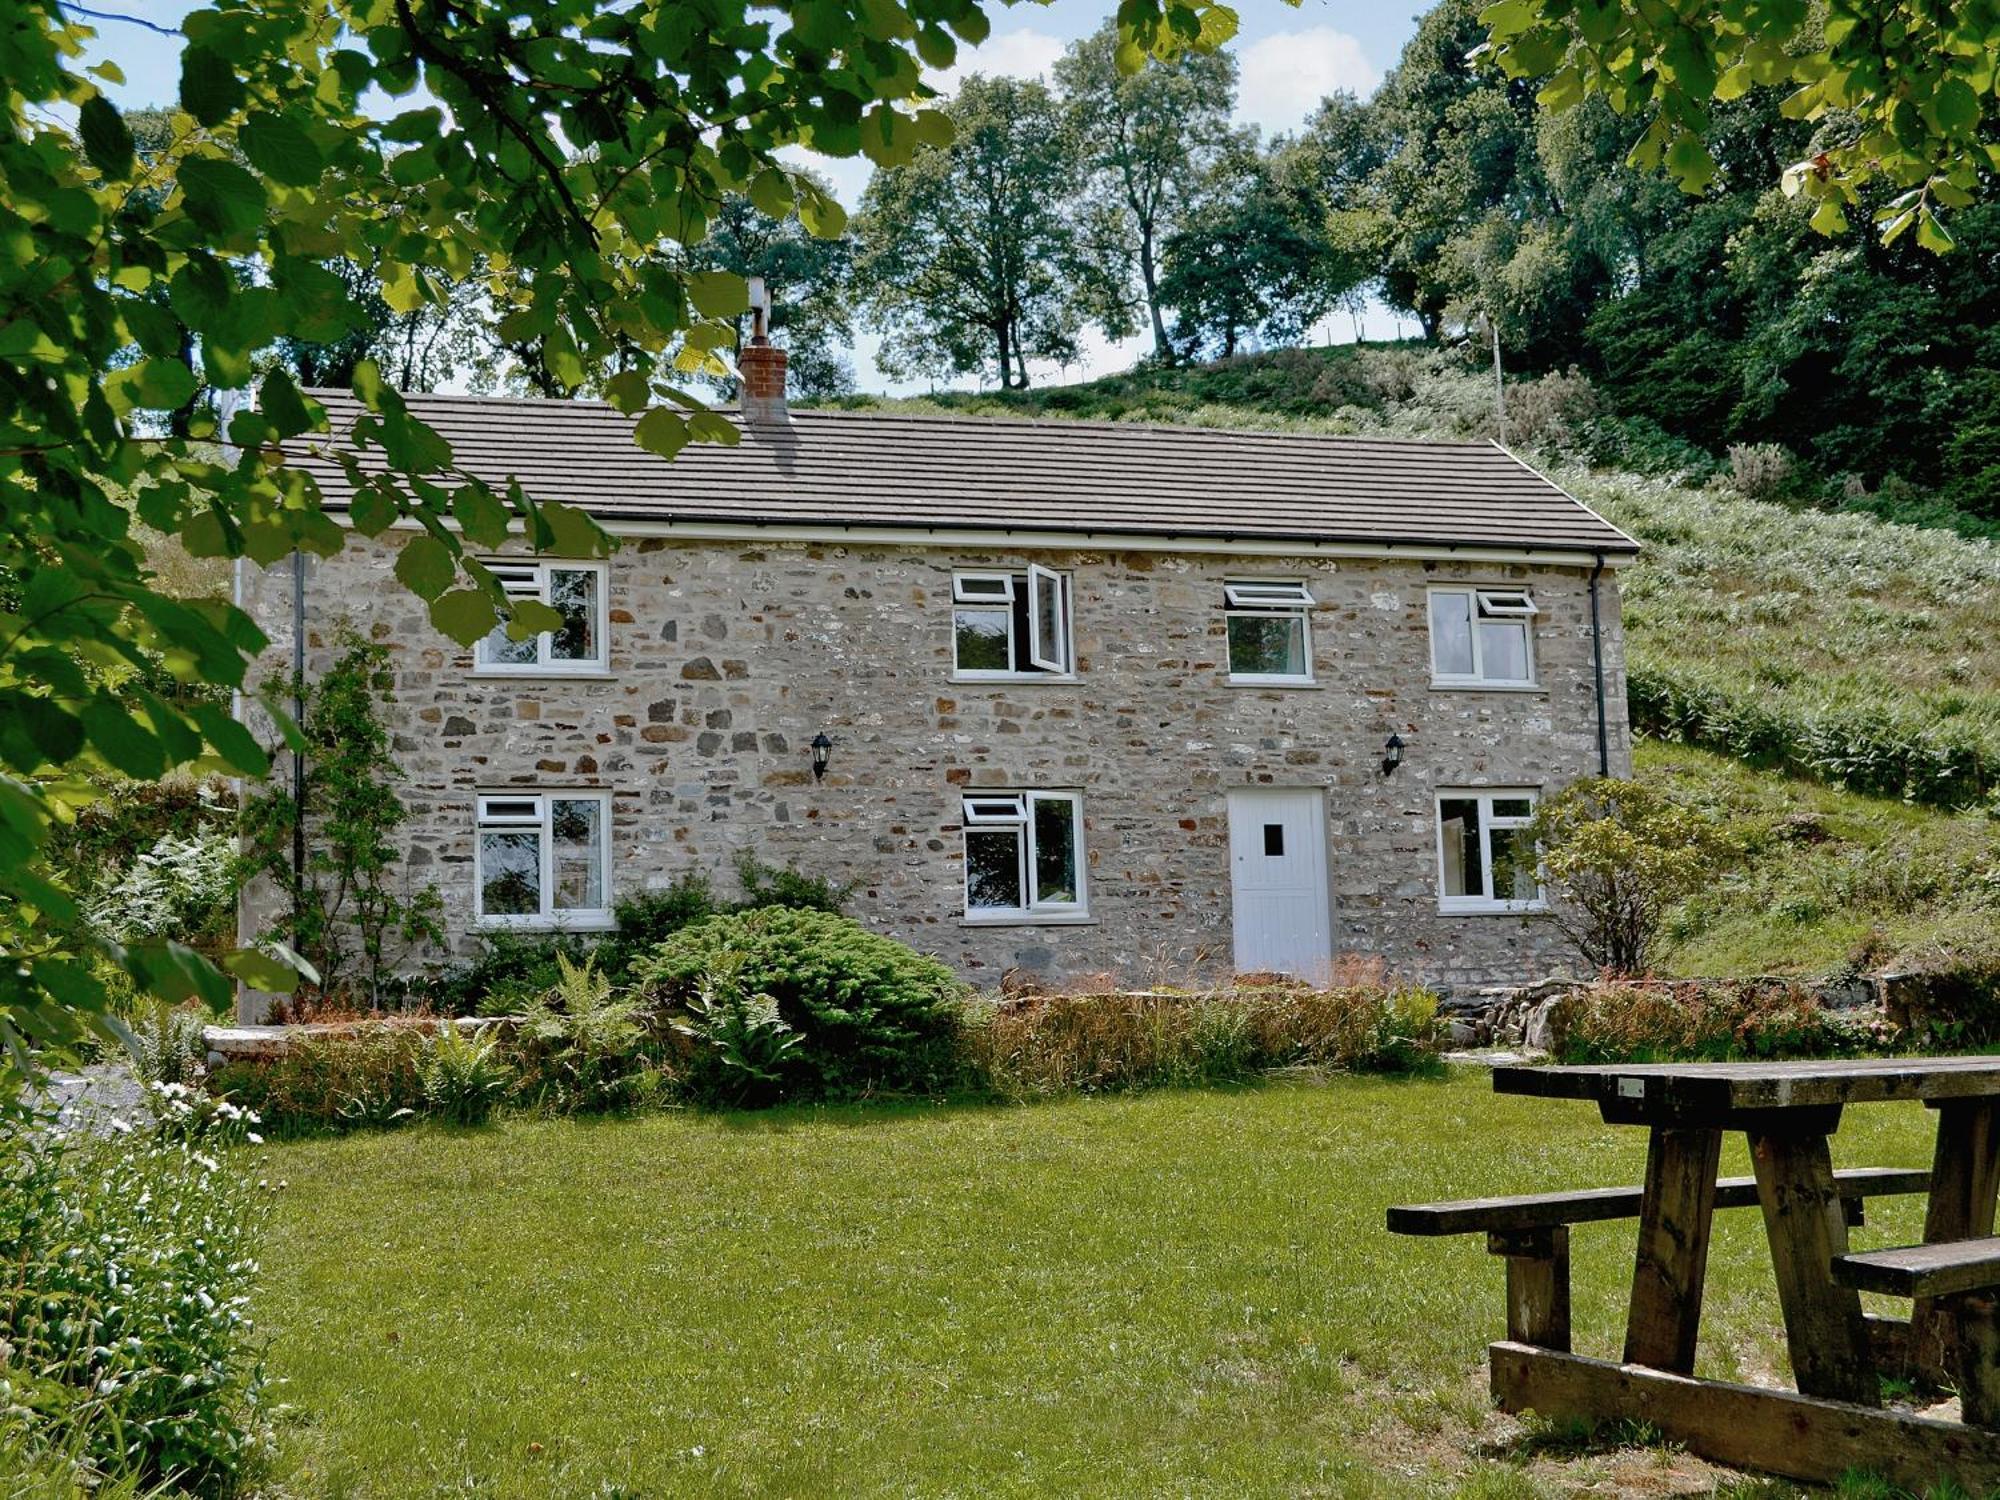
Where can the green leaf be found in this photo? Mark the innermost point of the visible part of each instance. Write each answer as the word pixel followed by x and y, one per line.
pixel 107 140
pixel 718 294
pixel 125 743
pixel 155 384
pixel 231 740
pixel 661 431
pixel 210 89
pixel 771 193
pixel 466 615
pixel 426 567
pixel 279 400
pixel 280 148
pixel 1955 105
pixel 220 196
pixel 261 971
pixel 480 515
pixel 572 532
pixel 57 734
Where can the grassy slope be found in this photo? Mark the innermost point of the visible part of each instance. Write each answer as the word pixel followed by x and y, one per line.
pixel 1180 1293
pixel 1812 618
pixel 1831 878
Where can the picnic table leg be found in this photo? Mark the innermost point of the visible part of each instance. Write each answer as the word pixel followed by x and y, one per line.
pixel 1807 1228
pixel 1965 1181
pixel 1676 1213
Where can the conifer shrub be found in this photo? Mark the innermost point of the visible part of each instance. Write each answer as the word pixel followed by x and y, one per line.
pixel 872 1015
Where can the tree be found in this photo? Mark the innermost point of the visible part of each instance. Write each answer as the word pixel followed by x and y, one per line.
pixel 1616 856
pixel 420 349
pixel 1147 139
pixel 564 143
pixel 1901 90
pixel 1244 262
pixel 971 254
pixel 809 277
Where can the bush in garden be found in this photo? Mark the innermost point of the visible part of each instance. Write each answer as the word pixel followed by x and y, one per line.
pixel 130 1361
pixel 781 885
pixel 507 972
pixel 740 1048
pixel 464 1076
pixel 1700 1021
pixel 1616 857
pixel 169 1045
pixel 650 918
pixel 1099 1043
pixel 585 1045
pixel 370 1076
pixel 872 1014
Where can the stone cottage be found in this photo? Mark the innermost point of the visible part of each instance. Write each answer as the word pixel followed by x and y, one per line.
pixel 1061 698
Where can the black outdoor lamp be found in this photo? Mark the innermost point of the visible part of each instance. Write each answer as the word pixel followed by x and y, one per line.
pixel 1392 753
pixel 822 749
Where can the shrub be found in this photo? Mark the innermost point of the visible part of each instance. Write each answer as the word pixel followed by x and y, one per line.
pixel 463 1076
pixel 169 1046
pixel 584 1046
pixel 774 885
pixel 1616 857
pixel 650 918
pixel 506 973
pixel 1706 1021
pixel 1761 471
pixel 872 1015
pixel 371 1076
pixel 741 1047
pixel 184 888
pixel 130 1358
pixel 1097 1043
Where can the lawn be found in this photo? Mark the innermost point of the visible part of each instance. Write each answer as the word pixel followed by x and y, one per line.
pixel 1184 1293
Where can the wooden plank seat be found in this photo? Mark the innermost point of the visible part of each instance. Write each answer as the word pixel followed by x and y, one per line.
pixel 1963 1276
pixel 1531 1231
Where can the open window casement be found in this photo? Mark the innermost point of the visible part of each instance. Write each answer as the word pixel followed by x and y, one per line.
pixel 1048 620
pixel 1497 603
pixel 996 810
pixel 983 588
pixel 1272 596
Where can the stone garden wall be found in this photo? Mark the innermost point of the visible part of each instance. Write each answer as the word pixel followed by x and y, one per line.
pixel 726 660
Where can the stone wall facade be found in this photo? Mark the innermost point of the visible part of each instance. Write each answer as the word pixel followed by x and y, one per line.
pixel 728 657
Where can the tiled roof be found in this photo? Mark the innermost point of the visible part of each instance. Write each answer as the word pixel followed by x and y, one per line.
pixel 886 469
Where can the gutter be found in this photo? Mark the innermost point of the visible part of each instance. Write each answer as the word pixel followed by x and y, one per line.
pixel 298 719
pixel 1597 655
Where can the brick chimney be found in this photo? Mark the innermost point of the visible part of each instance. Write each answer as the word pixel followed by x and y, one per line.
pixel 760 393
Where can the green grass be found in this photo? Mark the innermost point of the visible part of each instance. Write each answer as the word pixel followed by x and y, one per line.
pixel 1831 878
pixel 1183 1293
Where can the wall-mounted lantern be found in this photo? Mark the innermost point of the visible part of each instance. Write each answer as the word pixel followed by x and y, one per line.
pixel 1392 753
pixel 822 749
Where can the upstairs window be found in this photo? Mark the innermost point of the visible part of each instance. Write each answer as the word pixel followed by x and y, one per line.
pixel 1482 637
pixel 1485 862
pixel 1012 624
pixel 543 860
pixel 576 592
pixel 1270 639
pixel 1023 855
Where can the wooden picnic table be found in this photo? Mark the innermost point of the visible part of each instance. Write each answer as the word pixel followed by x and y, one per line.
pixel 1789 1111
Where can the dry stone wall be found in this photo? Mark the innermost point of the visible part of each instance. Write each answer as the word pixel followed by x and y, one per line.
pixel 727 659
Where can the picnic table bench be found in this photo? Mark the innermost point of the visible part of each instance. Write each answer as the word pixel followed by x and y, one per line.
pixel 1835 1421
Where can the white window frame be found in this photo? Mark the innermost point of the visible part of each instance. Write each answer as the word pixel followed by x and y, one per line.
pixel 1486 603
pixel 1485 797
pixel 1269 598
pixel 536 809
pixel 1016 810
pixel 1000 590
pixel 523 578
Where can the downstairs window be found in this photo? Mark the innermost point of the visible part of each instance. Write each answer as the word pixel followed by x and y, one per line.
pixel 1023 855
pixel 1485 862
pixel 543 860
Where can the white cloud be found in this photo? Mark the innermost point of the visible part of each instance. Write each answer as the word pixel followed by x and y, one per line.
pixel 1286 74
pixel 1026 53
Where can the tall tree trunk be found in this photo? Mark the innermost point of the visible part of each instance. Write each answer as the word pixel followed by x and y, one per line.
pixel 1149 276
pixel 1000 331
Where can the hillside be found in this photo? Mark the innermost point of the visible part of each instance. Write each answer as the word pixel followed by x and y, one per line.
pixel 1827 679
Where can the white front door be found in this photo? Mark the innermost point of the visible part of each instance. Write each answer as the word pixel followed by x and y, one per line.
pixel 1277 863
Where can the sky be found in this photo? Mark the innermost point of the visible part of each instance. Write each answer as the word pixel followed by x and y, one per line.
pixel 1288 58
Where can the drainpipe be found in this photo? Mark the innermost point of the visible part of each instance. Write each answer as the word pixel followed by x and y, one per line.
pixel 298 718
pixel 1597 653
